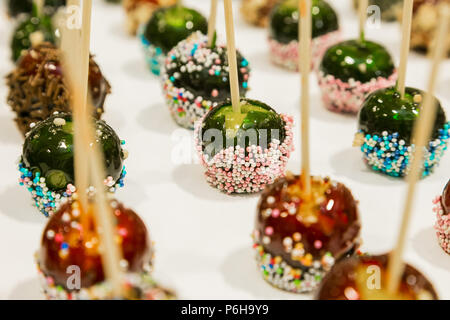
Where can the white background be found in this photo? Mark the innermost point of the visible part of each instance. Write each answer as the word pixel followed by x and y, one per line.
pixel 202 237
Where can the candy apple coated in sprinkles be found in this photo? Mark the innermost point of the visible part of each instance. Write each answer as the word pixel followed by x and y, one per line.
pixel 283 32
pixel 352 69
pixel 385 131
pixel 71 239
pixel 297 239
pixel 47 163
pixel 242 153
pixel 196 78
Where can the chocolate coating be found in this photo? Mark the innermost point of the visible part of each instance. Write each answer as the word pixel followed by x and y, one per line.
pixel 66 242
pixel 327 224
pixel 37 87
pixel 348 279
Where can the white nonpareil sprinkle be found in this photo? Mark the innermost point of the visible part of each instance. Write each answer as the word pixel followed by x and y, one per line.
pixel 59 122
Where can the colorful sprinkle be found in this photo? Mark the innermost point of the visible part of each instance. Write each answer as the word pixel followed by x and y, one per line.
pixel 286 55
pixel 230 173
pixel 390 155
pixel 348 97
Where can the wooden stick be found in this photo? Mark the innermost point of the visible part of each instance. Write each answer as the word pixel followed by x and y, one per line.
pixel 305 27
pixel 212 22
pixel 232 60
pixel 111 256
pixel 39 7
pixel 69 4
pixel 421 136
pixel 87 161
pixel 72 60
pixel 85 51
pixel 111 253
pixel 404 51
pixel 363 4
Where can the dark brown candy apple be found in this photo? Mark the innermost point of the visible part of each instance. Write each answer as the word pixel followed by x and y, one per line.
pixel 299 239
pixel 70 239
pixel 365 278
pixel 37 87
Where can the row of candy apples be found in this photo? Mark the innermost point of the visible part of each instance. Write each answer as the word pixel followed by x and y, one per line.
pixel 195 79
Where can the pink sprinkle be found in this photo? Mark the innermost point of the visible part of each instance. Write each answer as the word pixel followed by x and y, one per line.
pixel 123 232
pixel 275 213
pixel 317 244
pixel 50 281
pixel 269 231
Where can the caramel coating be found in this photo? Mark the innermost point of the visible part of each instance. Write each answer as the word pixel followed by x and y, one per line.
pixel 70 238
pixel 354 279
pixel 37 87
pixel 302 231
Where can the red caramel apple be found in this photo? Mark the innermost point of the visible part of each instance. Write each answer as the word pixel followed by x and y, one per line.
pixel 70 239
pixel 365 277
pixel 298 240
pixel 37 88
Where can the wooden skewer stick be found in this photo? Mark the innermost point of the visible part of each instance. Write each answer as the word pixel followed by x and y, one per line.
pixel 363 4
pixel 404 51
pixel 232 60
pixel 421 136
pixel 77 79
pixel 73 3
pixel 84 135
pixel 212 22
pixel 305 27
pixel 111 253
pixel 39 7
pixel 85 50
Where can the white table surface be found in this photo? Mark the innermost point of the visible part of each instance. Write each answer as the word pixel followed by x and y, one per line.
pixel 202 237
